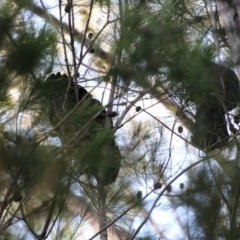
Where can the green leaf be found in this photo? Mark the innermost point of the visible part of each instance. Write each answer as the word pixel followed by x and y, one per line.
pixel 30 51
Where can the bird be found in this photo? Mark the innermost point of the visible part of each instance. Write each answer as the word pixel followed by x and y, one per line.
pixel 87 132
pixel 210 129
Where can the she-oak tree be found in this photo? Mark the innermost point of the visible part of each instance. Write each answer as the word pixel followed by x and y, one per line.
pixel 66 156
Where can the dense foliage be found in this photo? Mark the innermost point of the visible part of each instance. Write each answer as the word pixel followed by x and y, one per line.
pixel 115 113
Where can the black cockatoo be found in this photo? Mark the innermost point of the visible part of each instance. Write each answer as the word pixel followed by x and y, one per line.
pixel 223 95
pixel 87 132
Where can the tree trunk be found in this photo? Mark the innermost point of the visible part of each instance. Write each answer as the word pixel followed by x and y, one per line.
pixel 102 211
pixel 229 15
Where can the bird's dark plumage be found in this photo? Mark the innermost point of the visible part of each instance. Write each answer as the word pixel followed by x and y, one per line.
pixel 210 128
pixel 93 145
